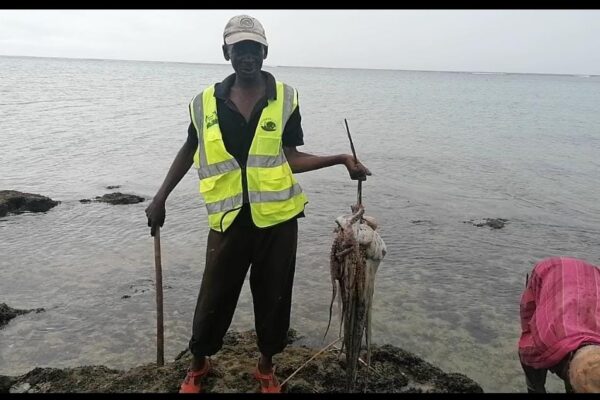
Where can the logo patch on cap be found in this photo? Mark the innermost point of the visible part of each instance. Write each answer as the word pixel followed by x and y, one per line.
pixel 247 22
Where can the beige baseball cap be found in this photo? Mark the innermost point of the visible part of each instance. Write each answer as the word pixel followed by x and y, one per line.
pixel 584 371
pixel 244 27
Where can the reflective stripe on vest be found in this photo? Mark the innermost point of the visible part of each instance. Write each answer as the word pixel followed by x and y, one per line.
pixel 273 192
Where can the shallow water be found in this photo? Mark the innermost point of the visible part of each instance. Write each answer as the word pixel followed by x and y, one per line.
pixel 443 148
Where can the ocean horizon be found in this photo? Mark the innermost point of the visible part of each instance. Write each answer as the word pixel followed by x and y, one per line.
pixel 267 65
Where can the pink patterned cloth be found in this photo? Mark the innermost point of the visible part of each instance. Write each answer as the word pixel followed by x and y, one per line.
pixel 560 310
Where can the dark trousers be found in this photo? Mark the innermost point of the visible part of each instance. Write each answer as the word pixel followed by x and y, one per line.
pixel 536 378
pixel 272 254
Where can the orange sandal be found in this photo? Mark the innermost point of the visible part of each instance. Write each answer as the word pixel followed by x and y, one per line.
pixel 191 383
pixel 268 382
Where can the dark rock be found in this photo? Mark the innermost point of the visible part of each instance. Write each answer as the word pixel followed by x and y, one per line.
pixel 457 383
pixel 116 198
pixel 120 198
pixel 293 336
pixel 494 223
pixel 5 383
pixel 7 313
pixel 15 202
pixel 393 370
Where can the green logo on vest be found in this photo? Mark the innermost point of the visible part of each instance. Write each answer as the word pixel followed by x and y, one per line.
pixel 211 119
pixel 268 125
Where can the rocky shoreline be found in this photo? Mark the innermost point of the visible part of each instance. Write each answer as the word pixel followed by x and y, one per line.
pixel 7 313
pixel 393 370
pixel 14 202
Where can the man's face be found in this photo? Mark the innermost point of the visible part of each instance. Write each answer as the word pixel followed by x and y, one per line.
pixel 246 57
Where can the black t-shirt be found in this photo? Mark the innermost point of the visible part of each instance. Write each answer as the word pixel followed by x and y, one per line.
pixel 238 134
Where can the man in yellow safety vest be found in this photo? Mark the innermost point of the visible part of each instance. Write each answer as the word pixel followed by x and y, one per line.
pixel 242 139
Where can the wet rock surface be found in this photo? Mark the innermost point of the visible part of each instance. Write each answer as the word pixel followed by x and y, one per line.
pixel 141 286
pixel 7 313
pixel 12 201
pixel 116 198
pixel 393 371
pixel 5 383
pixel 494 223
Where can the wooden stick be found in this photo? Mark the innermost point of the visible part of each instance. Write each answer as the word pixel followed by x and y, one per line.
pixel 310 359
pixel 350 137
pixel 160 352
pixel 359 194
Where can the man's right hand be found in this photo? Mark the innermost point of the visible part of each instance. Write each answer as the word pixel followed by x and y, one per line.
pixel 156 214
pixel 356 169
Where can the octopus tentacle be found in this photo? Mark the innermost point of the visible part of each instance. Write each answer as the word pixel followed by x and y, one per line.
pixel 355 256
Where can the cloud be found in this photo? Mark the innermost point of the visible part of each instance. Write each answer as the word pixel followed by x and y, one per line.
pixel 552 41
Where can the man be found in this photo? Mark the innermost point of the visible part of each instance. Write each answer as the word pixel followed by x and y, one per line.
pixel 242 138
pixel 560 325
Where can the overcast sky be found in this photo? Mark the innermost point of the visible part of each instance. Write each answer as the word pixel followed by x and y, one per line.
pixel 539 41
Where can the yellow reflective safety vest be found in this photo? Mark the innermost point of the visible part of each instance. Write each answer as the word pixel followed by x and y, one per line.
pixel 273 192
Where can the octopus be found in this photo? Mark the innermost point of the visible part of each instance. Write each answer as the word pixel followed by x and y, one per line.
pixel 356 253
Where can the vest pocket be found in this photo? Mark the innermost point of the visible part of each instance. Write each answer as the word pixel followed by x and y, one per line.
pixel 275 207
pixel 213 134
pixel 268 144
pixel 275 179
pixel 206 185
